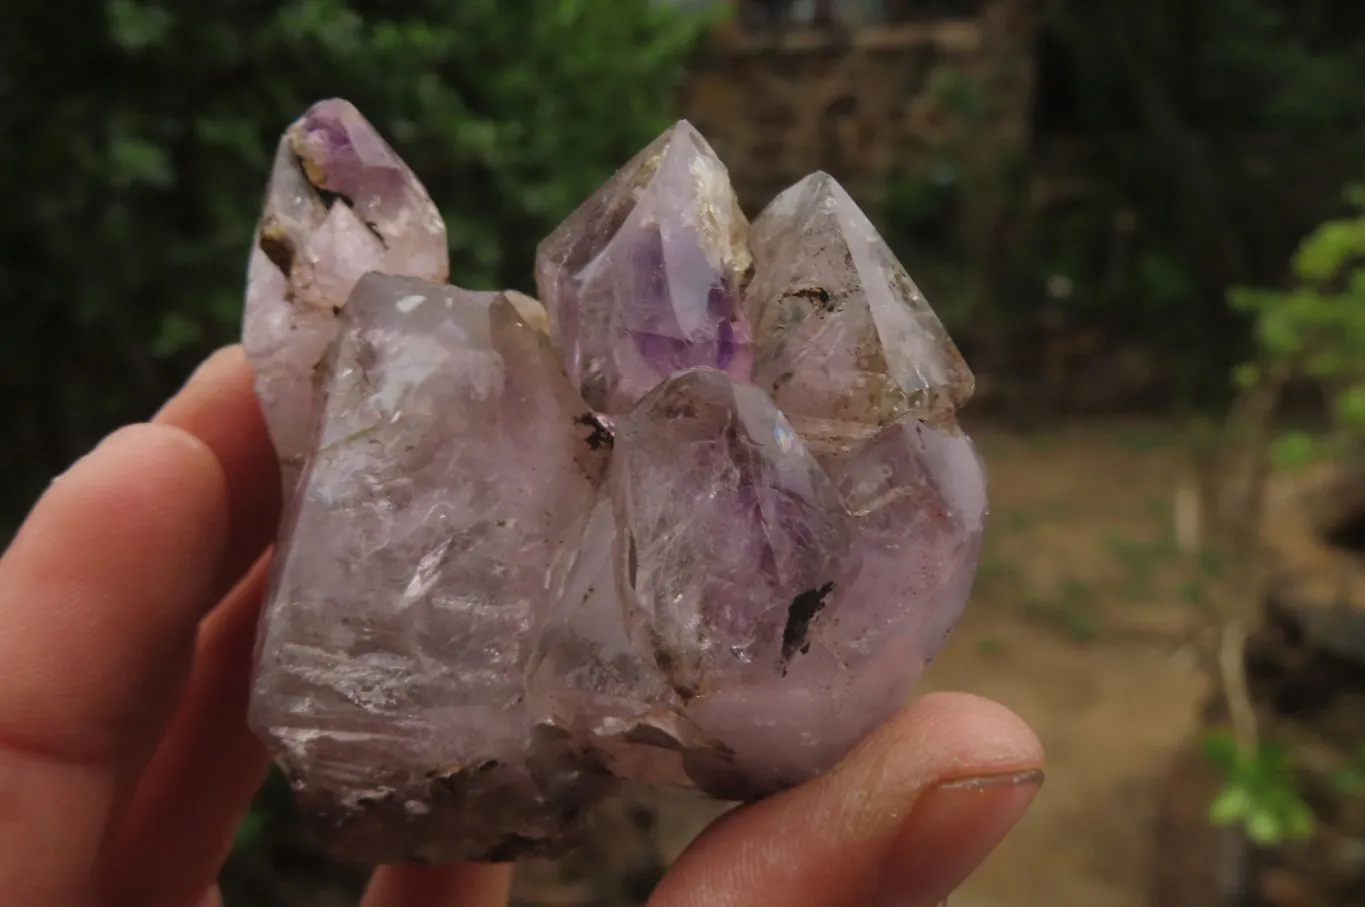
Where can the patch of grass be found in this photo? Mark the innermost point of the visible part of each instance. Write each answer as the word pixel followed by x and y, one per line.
pixel 1021 519
pixel 1158 505
pixel 1072 611
pixel 1145 439
pixel 1212 564
pixel 1138 560
pixel 1193 593
pixel 997 568
pixel 990 647
pixel 1076 592
pixel 1076 624
pixel 1141 561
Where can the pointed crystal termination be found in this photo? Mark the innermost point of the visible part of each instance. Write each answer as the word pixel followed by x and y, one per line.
pixel 846 343
pixel 340 203
pixel 732 543
pixel 825 591
pixel 451 466
pixel 646 277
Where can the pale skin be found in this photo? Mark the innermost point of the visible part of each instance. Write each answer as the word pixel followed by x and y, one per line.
pixel 128 603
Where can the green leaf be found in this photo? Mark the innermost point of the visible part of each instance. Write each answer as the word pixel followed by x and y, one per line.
pixel 1299 821
pixel 134 161
pixel 1272 758
pixel 1230 806
pixel 1253 299
pixel 956 93
pixel 1348 781
pixel 1246 375
pixel 1263 827
pixel 178 332
pixel 1294 450
pixel 1220 749
pixel 1328 249
pixel 1354 195
pixel 137 26
pixel 1350 407
pixel 1165 279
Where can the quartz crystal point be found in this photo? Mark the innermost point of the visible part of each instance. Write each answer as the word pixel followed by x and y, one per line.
pixel 707 471
pixel 823 595
pixel 340 204
pixel 700 520
pixel 645 278
pixel 846 343
pixel 918 493
pixel 452 464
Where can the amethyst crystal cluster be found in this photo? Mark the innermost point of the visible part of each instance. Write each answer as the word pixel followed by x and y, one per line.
pixel 698 517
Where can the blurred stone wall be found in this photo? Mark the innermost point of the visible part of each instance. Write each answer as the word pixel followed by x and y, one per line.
pixel 856 100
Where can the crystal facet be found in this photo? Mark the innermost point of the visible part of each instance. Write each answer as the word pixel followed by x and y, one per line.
pixel 645 278
pixel 846 342
pixel 918 493
pixel 534 552
pixel 707 471
pixel 340 204
pixel 451 467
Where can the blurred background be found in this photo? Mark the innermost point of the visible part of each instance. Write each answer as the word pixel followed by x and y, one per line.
pixel 1139 218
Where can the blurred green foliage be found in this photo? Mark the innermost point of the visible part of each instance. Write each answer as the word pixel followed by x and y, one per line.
pixel 1314 332
pixel 1212 137
pixel 138 139
pixel 1260 792
pixel 1349 779
pixel 1178 148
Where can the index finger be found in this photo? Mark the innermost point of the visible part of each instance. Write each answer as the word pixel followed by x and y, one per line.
pixel 100 596
pixel 900 822
pixel 218 406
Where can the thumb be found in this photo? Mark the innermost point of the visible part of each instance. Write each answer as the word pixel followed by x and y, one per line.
pixel 901 822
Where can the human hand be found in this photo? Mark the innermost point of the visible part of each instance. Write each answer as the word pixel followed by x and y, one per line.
pixel 128 603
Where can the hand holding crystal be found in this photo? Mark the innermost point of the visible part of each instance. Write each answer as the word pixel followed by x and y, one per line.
pixel 128 604
pixel 700 522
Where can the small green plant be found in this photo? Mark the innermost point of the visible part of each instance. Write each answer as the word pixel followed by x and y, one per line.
pixel 1259 793
pixel 1072 611
pixel 1312 333
pixel 1140 560
pixel 1315 330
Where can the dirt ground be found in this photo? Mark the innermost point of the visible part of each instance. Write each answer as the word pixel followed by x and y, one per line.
pixel 1077 624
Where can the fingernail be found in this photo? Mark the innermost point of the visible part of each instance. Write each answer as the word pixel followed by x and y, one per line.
pixel 952 828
